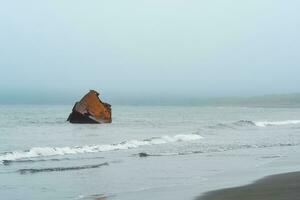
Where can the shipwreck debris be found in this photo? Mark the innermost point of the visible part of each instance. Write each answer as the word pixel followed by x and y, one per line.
pixel 90 109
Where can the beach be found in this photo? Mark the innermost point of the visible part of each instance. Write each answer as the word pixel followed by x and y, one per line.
pixel 149 100
pixel 276 187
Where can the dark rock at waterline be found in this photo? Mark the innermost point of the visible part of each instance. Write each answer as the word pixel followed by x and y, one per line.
pixel 90 110
pixel 6 162
pixel 142 154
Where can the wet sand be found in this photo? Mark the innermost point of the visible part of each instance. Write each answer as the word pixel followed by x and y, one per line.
pixel 276 187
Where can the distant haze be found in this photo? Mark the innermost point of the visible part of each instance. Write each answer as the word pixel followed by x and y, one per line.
pixel 55 51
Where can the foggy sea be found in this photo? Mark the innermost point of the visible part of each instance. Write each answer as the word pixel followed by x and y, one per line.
pixel 147 152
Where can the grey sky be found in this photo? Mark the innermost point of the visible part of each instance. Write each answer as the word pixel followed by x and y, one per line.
pixel 144 48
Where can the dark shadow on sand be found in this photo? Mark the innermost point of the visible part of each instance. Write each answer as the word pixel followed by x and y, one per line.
pixel 276 187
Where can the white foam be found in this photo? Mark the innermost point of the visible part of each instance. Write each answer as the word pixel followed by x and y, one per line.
pixel 276 123
pixel 54 151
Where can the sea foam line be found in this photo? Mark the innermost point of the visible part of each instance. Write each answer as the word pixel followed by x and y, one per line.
pixel 55 151
pixel 53 169
pixel 276 123
pixel 248 123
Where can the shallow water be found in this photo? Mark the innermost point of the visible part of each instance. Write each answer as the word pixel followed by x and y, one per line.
pixel 148 151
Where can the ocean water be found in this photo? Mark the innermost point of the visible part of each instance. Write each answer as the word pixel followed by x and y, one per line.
pixel 162 152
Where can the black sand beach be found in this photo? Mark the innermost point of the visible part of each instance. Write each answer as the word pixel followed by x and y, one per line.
pixel 276 187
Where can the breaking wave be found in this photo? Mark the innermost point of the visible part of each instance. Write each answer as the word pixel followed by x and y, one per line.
pixel 244 123
pixel 248 123
pixel 265 123
pixel 277 123
pixel 56 151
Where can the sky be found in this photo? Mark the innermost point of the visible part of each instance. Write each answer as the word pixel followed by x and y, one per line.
pixel 57 50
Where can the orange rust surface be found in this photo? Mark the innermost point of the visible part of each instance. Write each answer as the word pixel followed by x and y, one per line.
pixel 92 105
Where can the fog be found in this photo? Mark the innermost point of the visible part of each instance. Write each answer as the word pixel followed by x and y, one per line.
pixel 57 50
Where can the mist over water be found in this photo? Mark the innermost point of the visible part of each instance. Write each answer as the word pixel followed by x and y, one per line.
pixel 56 98
pixel 141 50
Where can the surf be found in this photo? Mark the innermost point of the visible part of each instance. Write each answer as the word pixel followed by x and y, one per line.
pixel 37 152
pixel 277 123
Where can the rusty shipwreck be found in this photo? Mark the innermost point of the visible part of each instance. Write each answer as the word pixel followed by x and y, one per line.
pixel 90 110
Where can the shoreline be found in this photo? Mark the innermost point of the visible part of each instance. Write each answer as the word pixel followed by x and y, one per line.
pixel 275 187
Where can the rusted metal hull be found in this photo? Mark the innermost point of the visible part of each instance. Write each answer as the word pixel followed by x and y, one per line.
pixel 90 110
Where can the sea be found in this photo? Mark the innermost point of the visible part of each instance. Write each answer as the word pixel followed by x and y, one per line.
pixel 147 152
